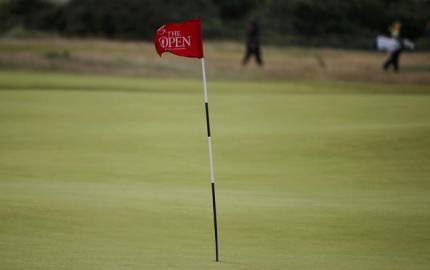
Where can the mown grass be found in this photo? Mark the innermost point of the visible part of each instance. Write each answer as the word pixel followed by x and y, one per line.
pixel 309 175
pixel 14 80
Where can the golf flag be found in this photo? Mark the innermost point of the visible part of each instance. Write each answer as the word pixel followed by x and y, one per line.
pixel 183 39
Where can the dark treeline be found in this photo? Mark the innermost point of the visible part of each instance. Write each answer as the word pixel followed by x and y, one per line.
pixel 352 23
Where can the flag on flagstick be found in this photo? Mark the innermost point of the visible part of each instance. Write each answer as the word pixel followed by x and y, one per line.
pixel 185 39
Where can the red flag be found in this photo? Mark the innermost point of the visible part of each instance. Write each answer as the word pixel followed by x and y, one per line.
pixel 183 39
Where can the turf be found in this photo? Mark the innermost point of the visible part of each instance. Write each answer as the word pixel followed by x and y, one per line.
pixel 112 173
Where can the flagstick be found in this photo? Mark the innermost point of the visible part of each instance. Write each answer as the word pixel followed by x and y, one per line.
pixel 210 156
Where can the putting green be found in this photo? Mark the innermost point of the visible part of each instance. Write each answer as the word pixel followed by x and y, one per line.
pixel 112 173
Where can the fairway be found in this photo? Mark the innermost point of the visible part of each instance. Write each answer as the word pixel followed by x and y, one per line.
pixel 106 173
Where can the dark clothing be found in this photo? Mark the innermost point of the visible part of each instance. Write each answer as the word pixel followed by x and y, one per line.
pixel 253 34
pixel 253 43
pixel 393 60
pixel 253 51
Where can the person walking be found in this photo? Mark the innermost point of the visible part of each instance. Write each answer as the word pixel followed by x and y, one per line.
pixel 253 43
pixel 393 59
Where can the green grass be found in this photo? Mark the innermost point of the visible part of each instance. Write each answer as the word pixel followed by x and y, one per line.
pixel 112 173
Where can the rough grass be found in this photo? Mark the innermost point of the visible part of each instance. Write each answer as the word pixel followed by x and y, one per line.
pixel 309 175
pixel 223 60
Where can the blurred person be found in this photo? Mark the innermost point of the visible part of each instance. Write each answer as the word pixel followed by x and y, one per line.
pixel 394 45
pixel 253 42
pixel 393 59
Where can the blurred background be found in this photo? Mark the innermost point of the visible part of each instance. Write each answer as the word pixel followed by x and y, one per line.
pixel 322 157
pixel 302 39
pixel 332 23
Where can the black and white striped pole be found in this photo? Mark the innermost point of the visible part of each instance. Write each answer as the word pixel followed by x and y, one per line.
pixel 211 166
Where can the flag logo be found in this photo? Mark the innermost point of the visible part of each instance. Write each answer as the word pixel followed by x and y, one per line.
pixel 183 39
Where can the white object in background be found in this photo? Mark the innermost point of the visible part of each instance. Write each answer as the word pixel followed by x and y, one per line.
pixel 388 44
